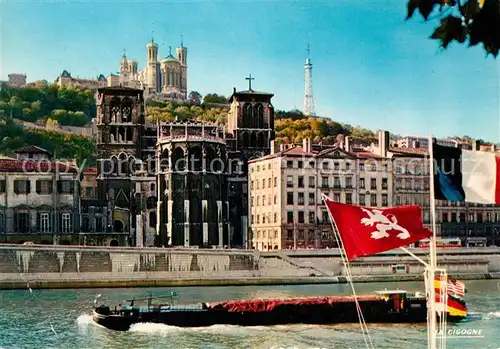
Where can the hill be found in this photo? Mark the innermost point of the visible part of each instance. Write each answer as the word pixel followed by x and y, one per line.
pixel 68 106
pixel 67 147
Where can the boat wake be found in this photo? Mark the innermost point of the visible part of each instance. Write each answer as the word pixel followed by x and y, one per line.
pixel 491 315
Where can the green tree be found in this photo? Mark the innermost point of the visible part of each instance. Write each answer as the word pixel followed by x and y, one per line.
pixel 475 21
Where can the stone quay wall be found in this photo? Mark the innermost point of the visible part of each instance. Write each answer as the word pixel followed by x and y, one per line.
pixel 76 266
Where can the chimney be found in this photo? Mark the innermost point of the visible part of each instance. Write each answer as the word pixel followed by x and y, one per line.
pixel 347 144
pixel 306 145
pixel 383 143
pixel 273 147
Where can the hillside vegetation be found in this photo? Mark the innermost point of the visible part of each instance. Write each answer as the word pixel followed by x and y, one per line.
pixel 68 106
pixel 62 146
pixel 49 105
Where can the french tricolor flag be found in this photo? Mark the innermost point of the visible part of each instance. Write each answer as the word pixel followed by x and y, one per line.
pixel 464 175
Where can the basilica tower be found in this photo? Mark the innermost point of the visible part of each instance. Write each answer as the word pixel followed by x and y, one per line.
pixel 153 68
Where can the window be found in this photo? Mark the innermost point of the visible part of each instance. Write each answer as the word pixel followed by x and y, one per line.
pixel 257 183
pixel 325 166
pixel 258 219
pixel 22 222
pixel 44 223
pixel 361 183
pixel 275 217
pixel 324 216
pixel 398 200
pixel 312 218
pixel 2 186
pixel 269 182
pixel 258 200
pixel 362 200
pixel 289 234
pixel 275 199
pixel 289 198
pixel 348 182
pixel 347 166
pixel 311 164
pixel 289 164
pixel 263 183
pixel 289 217
pixel 336 166
pixel 373 183
pixel 361 166
pixel 269 200
pixel 373 200
pixel 311 199
pixel 336 182
pixel 444 217
pixel 275 179
pixel 384 183
pixel 373 167
pixel 89 191
pixel 301 217
pixel 251 201
pixel 417 185
pixel 21 186
pixel 324 182
pixel 385 201
pixel 44 187
pixel 300 182
pixel 348 198
pixel 263 200
pixel 289 181
pixel 66 222
pixel 300 164
pixel 312 182
pixel 336 197
pixel 300 200
pixel 65 187
pixel 98 224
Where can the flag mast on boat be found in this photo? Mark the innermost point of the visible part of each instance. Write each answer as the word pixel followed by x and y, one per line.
pixel 432 269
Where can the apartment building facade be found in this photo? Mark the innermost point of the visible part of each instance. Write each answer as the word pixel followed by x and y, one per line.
pixel 39 199
pixel 474 224
pixel 286 188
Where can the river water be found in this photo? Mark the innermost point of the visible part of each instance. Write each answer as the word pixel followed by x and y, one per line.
pixel 59 319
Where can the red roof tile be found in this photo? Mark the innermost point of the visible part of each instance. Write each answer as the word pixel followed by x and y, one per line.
pixel 30 166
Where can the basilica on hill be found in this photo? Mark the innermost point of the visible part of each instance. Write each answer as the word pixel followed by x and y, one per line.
pixel 161 77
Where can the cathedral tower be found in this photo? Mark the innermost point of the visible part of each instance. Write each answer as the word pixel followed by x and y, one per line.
pixel 152 67
pixel 182 58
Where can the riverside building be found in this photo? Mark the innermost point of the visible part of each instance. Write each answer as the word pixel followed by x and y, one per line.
pixel 285 201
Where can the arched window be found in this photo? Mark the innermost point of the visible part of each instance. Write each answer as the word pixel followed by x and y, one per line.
pixel 127 110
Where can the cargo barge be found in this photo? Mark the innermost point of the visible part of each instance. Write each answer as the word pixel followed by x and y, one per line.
pixel 397 306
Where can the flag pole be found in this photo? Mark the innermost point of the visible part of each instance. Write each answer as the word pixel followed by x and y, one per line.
pixel 431 270
pixel 345 260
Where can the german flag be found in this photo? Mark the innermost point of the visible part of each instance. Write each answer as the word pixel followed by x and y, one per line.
pixel 455 292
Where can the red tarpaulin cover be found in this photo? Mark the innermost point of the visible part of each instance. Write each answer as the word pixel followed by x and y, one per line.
pixel 265 305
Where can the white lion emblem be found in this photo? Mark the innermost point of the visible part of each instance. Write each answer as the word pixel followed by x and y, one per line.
pixel 383 224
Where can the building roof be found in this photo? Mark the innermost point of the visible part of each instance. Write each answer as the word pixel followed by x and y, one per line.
pixel 33 149
pixel 170 58
pixel 247 93
pixel 297 150
pixel 119 89
pixel 33 166
pixel 408 151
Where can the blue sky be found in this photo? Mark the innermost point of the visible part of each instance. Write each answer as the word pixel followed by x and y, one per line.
pixel 370 66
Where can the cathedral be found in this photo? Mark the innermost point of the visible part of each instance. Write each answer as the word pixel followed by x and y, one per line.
pixel 179 183
pixel 165 77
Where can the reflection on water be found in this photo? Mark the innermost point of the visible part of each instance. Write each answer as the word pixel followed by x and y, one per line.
pixel 59 319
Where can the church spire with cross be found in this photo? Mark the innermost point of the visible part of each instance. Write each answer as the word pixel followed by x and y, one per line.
pixel 249 78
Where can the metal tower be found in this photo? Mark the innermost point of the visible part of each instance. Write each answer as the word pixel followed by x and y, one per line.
pixel 308 93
